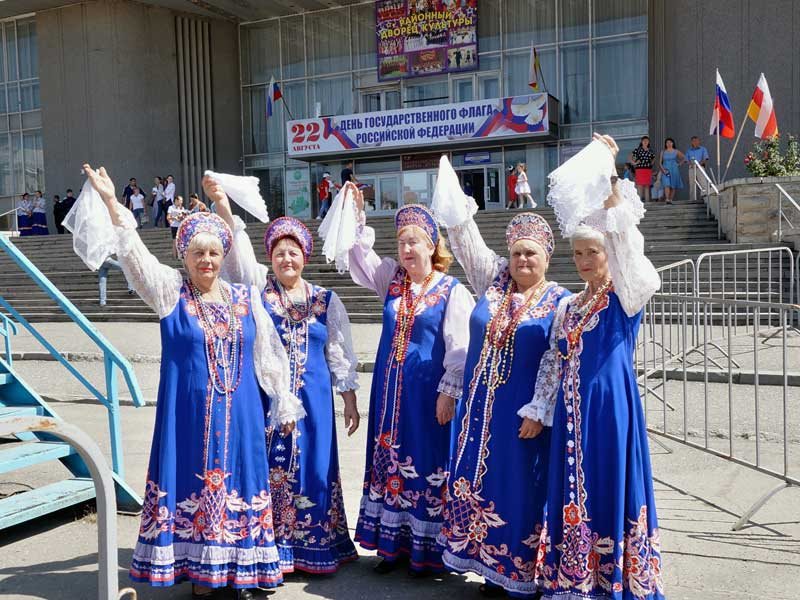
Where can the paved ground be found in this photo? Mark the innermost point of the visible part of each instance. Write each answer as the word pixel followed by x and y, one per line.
pixel 699 498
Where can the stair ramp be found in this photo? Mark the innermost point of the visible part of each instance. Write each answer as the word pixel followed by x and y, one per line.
pixel 25 449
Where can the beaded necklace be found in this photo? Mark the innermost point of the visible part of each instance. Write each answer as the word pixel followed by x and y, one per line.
pixel 222 341
pixel 296 323
pixel 497 352
pixel 406 314
pixel 574 334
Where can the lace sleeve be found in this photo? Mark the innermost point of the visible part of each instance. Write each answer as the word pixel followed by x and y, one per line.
pixel 456 340
pixel 634 276
pixel 272 367
pixel 481 263
pixel 339 351
pixel 241 264
pixel 157 284
pixel 542 407
pixel 367 268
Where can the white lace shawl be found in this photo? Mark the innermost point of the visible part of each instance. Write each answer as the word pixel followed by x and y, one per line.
pixel 542 407
pixel 481 264
pixel 160 286
pixel 369 271
pixel 241 266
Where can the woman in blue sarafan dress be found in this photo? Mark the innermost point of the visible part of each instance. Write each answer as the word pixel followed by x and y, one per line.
pixel 25 216
pixel 498 474
pixel 310 523
pixel 601 537
pixel 419 371
pixel 207 514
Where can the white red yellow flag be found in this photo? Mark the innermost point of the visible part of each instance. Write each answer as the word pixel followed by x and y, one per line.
pixel 761 110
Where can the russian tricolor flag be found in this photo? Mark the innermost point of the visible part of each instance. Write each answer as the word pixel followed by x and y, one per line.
pixel 722 117
pixel 273 95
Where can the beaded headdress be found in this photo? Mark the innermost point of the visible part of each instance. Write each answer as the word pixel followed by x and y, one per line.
pixel 202 222
pixel 292 228
pixel 420 216
pixel 530 226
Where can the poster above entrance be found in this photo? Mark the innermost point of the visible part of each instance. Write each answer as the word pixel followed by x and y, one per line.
pixel 422 126
pixel 426 37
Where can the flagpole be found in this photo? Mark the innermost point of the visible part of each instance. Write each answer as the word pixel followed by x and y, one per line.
pixel 735 144
pixel 719 182
pixel 291 117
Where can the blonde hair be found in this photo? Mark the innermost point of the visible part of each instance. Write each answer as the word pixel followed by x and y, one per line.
pixel 442 258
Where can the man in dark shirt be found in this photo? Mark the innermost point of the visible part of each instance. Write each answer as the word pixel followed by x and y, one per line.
pixel 347 173
pixel 126 195
pixel 59 212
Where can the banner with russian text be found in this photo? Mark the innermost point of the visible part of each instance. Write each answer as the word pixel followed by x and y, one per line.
pixel 426 37
pixel 425 125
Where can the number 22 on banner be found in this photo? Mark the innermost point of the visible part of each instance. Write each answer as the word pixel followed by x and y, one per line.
pixel 305 133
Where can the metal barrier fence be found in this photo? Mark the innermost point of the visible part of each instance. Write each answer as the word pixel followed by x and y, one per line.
pixel 695 393
pixel 108 587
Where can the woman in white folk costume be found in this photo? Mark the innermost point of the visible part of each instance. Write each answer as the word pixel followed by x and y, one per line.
pixel 207 515
pixel 498 473
pixel 601 537
pixel 310 523
pixel 419 371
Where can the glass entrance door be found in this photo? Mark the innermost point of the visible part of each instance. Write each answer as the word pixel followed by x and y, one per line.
pixel 483 184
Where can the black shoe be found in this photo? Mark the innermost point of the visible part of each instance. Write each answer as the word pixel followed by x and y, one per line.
pixel 210 593
pixel 414 574
pixel 385 567
pixel 243 594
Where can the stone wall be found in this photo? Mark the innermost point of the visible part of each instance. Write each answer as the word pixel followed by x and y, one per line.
pixel 748 209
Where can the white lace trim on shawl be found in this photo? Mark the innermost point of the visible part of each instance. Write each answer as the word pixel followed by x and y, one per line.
pixel 542 407
pixel 450 204
pixel 241 264
pixel 580 186
pixel 272 366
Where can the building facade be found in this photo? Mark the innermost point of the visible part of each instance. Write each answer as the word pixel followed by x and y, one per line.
pixel 158 87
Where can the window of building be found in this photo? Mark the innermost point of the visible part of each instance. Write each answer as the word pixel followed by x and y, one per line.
pixel 574 20
pixel 364 41
pixel 333 96
pixel 426 92
pixel 619 16
pixel 529 22
pixel 620 66
pixel 328 41
pixel 261 52
pixel 575 84
pixel 293 47
pixel 488 25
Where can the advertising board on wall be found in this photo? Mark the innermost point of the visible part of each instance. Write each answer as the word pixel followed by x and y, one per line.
pixel 425 125
pixel 426 37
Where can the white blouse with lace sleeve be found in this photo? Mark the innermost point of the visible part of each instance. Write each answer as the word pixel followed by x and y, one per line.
pixel 339 351
pixel 634 277
pixel 542 407
pixel 272 366
pixel 456 340
pixel 157 284
pixel 367 268
pixel 241 264
pixel 481 263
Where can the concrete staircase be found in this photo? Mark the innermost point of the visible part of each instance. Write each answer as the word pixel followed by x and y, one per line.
pixel 672 233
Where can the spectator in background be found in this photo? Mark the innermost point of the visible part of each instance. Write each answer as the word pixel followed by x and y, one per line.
pixel 169 194
pixel 59 212
pixel 25 216
pixel 657 193
pixel 698 153
pixel 157 201
pixel 102 278
pixel 522 188
pixel 196 205
pixel 126 194
pixel 175 214
pixel 630 172
pixel 511 184
pixel 642 158
pixel 39 217
pixel 70 199
pixel 136 200
pixel 324 192
pixel 347 173
pixel 669 164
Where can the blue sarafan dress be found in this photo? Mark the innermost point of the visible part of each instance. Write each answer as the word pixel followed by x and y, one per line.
pixel 601 537
pixel 405 476
pixel 25 218
pixel 310 523
pixel 497 481
pixel 207 514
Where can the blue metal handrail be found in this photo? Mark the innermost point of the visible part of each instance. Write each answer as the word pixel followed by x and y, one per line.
pixel 9 329
pixel 111 357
